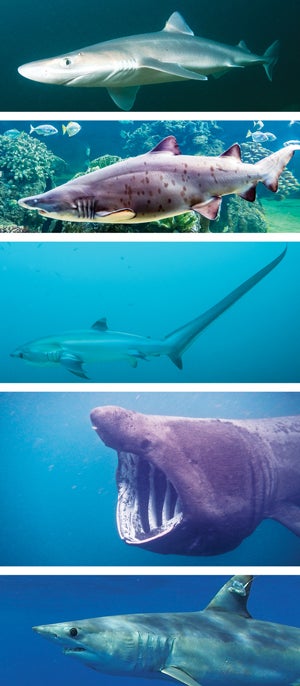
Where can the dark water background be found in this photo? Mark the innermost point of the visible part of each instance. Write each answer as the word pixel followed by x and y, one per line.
pixel 152 289
pixel 58 492
pixel 26 601
pixel 30 31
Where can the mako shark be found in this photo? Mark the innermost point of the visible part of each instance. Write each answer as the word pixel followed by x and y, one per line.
pixel 122 65
pixel 158 184
pixel 72 349
pixel 220 645
pixel 200 486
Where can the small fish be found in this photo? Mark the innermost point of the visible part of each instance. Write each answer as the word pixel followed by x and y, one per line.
pixel 88 151
pixel 270 136
pixel 43 130
pixel 12 133
pixel 292 142
pixel 258 124
pixel 257 136
pixel 71 128
pixel 293 121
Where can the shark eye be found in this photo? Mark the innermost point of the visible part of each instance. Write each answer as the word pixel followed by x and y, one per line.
pixel 67 61
pixel 73 632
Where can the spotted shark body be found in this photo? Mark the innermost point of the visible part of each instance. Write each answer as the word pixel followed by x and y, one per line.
pixel 122 65
pixel 158 184
pixel 222 644
pixel 74 348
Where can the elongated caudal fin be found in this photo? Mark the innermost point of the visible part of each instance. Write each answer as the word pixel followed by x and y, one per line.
pixel 271 58
pixel 182 338
pixel 272 166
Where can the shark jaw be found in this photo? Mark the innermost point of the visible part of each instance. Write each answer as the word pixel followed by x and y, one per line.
pixel 149 507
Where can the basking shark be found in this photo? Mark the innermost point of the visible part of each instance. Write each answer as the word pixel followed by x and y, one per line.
pixel 73 348
pixel 122 65
pixel 219 645
pixel 200 486
pixel 158 184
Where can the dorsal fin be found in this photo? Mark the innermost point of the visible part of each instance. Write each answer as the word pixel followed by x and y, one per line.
pixel 233 596
pixel 243 46
pixel 177 24
pixel 100 324
pixel 233 151
pixel 168 144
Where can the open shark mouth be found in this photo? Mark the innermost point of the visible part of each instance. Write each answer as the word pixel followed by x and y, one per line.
pixel 149 506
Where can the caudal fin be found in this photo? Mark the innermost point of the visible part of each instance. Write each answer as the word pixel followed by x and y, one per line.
pixel 182 338
pixel 270 58
pixel 272 166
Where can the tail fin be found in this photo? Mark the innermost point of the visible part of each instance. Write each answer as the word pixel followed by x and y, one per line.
pixel 271 58
pixel 64 128
pixel 272 166
pixel 31 128
pixel 181 338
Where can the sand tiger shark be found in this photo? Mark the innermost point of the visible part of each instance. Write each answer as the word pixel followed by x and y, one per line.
pixel 122 65
pixel 158 184
pixel 73 348
pixel 219 645
pixel 200 486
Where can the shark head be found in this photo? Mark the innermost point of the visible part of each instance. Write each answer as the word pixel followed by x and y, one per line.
pixel 113 645
pixel 41 351
pixel 63 202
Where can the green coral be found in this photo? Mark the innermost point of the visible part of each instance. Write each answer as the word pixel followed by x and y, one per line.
pixel 27 166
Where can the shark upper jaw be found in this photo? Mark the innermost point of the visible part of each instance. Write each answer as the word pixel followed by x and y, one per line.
pixel 149 507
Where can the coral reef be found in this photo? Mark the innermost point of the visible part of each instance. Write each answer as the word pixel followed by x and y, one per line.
pixel 27 167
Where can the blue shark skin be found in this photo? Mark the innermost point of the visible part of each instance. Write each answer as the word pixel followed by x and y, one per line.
pixel 74 348
pixel 122 65
pixel 200 486
pixel 158 184
pixel 222 644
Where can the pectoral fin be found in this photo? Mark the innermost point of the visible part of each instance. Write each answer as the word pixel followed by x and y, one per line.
pixel 288 514
pixel 180 675
pixel 73 364
pixel 124 97
pixel 173 69
pixel 125 214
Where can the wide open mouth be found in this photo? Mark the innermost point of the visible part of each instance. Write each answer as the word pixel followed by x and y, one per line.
pixel 149 506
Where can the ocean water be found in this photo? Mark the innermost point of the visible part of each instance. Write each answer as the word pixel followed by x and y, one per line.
pixel 26 601
pixel 151 289
pixel 25 170
pixel 58 493
pixel 56 28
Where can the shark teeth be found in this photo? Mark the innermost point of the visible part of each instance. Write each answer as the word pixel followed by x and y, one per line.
pixel 149 506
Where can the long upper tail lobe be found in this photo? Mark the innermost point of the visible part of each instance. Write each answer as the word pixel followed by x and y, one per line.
pixel 181 338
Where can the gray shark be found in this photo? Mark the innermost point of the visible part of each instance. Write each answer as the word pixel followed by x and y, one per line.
pixel 73 348
pixel 220 645
pixel 122 65
pixel 158 184
pixel 200 486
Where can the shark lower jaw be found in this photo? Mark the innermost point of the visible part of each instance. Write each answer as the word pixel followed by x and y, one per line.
pixel 149 507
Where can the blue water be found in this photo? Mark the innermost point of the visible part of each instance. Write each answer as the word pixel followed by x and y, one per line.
pixel 29 660
pixel 31 32
pixel 126 138
pixel 152 289
pixel 58 493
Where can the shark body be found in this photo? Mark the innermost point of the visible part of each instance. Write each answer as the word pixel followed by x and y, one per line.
pixel 122 65
pixel 200 486
pixel 158 184
pixel 219 645
pixel 72 349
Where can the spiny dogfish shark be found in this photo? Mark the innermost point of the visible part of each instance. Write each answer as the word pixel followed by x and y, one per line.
pixel 73 348
pixel 158 184
pixel 222 644
pixel 200 486
pixel 122 65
